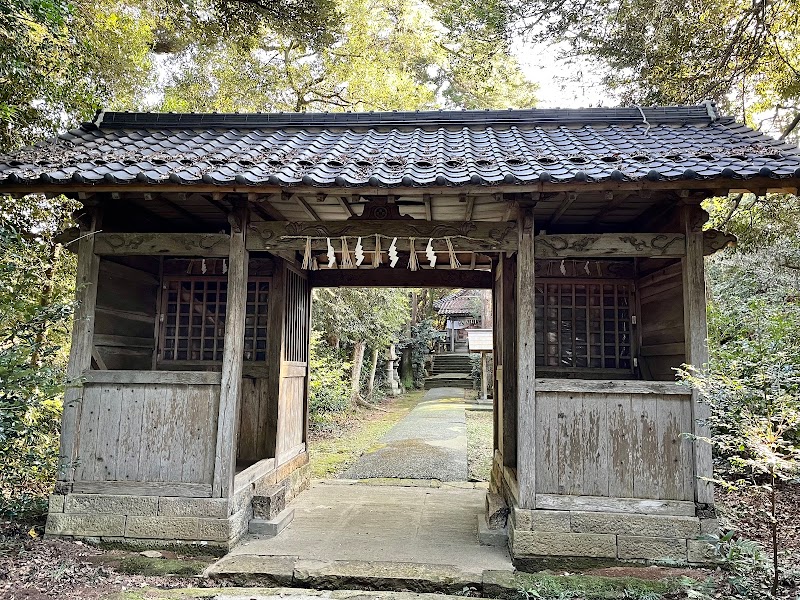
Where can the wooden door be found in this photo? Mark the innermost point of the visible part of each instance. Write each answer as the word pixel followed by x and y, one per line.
pixel 294 368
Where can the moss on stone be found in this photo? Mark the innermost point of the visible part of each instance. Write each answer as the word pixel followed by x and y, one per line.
pixel 141 565
pixel 593 587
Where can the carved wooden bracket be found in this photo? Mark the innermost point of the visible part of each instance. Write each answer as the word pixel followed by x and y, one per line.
pixel 611 244
pixel 714 240
pixel 173 244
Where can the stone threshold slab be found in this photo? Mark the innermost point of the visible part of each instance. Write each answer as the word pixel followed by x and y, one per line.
pixel 249 569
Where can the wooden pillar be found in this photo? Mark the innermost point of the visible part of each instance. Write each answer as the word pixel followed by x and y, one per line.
pixel 696 332
pixel 526 362
pixel 509 352
pixel 232 357
pixel 80 353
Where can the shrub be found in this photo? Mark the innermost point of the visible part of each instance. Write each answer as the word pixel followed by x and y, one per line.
pixel 329 386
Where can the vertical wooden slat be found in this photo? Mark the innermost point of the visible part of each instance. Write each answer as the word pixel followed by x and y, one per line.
pixel 621 446
pixel 85 453
pixel 130 433
pixel 595 441
pixel 547 459
pixel 647 470
pixel 275 350
pixel 108 427
pixel 696 333
pixel 80 353
pixel 230 388
pixel 526 362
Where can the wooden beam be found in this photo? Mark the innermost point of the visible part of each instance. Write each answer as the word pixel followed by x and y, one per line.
pixel 526 361
pixel 614 201
pixel 232 357
pixel 426 199
pixel 714 240
pixel 80 353
pixel 346 206
pixel 306 207
pixel 399 277
pixel 470 208
pixel 696 333
pixel 565 204
pixel 173 244
pixel 618 245
pixel 474 236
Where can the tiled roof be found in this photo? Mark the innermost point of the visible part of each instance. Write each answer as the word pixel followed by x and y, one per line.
pixel 460 302
pixel 405 149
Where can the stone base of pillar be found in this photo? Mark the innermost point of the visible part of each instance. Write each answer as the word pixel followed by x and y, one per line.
pixel 576 539
pixel 138 521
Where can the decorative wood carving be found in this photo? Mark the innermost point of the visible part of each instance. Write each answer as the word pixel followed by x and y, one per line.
pixel 380 209
pixel 467 236
pixel 608 244
pixel 714 240
pixel 174 244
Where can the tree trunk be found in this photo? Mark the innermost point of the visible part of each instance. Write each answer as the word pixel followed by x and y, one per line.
pixel 44 299
pixel 373 368
pixel 358 363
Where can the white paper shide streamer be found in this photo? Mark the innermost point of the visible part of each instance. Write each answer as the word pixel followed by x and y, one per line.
pixel 359 252
pixel 430 254
pixel 393 258
pixel 331 254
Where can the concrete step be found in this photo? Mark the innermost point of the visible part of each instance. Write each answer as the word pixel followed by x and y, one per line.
pixel 244 569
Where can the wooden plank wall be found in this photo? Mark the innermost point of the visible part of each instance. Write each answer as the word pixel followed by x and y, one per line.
pixel 126 313
pixel 614 445
pixel 154 432
pixel 661 327
pixel 254 415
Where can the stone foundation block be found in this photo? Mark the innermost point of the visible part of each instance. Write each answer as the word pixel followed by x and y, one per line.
pixel 110 504
pixel 651 548
pixel 269 505
pixel 164 528
pixel 272 527
pixel 193 507
pixel 709 526
pixel 636 525
pixel 55 503
pixel 542 520
pixel 85 525
pixel 496 511
pixel 700 552
pixel 548 543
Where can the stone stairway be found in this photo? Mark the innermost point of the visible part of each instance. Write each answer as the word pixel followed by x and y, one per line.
pixel 450 370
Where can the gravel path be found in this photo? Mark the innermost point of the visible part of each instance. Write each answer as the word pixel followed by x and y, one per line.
pixel 429 443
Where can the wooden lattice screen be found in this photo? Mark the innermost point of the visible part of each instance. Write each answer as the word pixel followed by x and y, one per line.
pixel 193 319
pixel 583 324
pixel 296 325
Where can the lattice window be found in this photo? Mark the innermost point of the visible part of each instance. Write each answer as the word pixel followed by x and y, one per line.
pixel 298 312
pixel 583 324
pixel 193 313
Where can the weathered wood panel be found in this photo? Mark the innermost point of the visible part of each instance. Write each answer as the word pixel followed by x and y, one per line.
pixel 618 445
pixel 147 432
pixel 126 316
pixel 254 415
pixel 291 417
pixel 661 326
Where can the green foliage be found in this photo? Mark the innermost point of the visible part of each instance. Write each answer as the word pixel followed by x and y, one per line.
pixel 421 341
pixel 589 587
pixel 329 391
pixel 743 54
pixel 35 307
